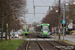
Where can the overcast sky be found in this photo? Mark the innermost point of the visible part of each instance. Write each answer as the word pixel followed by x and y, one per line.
pixel 30 18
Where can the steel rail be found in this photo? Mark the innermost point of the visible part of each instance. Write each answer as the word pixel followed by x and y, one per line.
pixel 53 45
pixel 27 45
pixel 40 46
pixel 61 43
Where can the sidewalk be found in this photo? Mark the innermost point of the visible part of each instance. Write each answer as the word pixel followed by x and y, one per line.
pixel 67 37
pixel 71 36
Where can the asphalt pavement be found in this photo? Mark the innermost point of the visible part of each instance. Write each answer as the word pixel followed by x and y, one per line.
pixel 20 37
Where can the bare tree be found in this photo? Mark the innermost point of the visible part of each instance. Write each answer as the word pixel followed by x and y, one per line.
pixel 52 17
pixel 10 9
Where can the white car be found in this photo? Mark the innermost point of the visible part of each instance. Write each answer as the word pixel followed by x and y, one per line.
pixel 20 32
pixel 4 34
pixel 15 34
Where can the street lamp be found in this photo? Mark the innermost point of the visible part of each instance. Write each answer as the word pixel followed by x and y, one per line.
pixel 74 2
pixel 43 16
pixel 66 3
pixel 56 10
pixel 51 8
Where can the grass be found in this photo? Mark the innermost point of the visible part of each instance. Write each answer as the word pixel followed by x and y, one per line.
pixel 10 44
pixel 68 42
pixel 24 37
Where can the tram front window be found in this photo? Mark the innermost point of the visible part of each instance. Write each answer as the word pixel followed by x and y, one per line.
pixel 45 28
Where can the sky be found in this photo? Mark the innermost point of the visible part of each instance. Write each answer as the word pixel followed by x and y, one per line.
pixel 30 18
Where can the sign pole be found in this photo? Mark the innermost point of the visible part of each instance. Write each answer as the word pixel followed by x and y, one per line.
pixel 70 31
pixel 24 22
pixel 59 18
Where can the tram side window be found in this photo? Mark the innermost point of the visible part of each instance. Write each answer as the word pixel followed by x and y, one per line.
pixel 25 30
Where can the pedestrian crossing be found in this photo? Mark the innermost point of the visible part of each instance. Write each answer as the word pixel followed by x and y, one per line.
pixel 40 39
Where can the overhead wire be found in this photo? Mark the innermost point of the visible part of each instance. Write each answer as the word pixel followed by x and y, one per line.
pixel 28 5
pixel 48 1
pixel 43 2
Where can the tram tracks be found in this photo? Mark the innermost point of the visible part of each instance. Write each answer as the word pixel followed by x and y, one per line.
pixel 34 45
pixel 46 45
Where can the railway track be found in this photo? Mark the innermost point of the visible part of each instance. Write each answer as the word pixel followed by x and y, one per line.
pixel 47 46
pixel 34 45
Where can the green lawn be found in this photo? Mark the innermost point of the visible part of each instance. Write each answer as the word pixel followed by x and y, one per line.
pixel 10 44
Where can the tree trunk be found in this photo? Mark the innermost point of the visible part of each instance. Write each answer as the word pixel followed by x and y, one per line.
pixel 9 28
pixel 6 30
pixel 2 30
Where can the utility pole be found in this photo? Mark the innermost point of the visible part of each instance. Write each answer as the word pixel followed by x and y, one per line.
pixel 24 17
pixel 34 7
pixel 64 25
pixel 59 19
pixel 24 22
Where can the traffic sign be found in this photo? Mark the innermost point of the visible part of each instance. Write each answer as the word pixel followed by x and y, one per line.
pixel 70 26
pixel 63 21
pixel 64 27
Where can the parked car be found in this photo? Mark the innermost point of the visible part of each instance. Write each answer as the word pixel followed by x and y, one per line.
pixel 20 33
pixel 15 34
pixel 11 33
pixel 4 34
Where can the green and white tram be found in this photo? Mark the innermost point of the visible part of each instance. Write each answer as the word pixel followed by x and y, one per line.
pixel 43 30
pixel 26 31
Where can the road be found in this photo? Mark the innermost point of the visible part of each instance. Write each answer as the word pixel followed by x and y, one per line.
pixel 12 38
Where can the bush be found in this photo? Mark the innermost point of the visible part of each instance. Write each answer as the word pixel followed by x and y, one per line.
pixel 72 32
